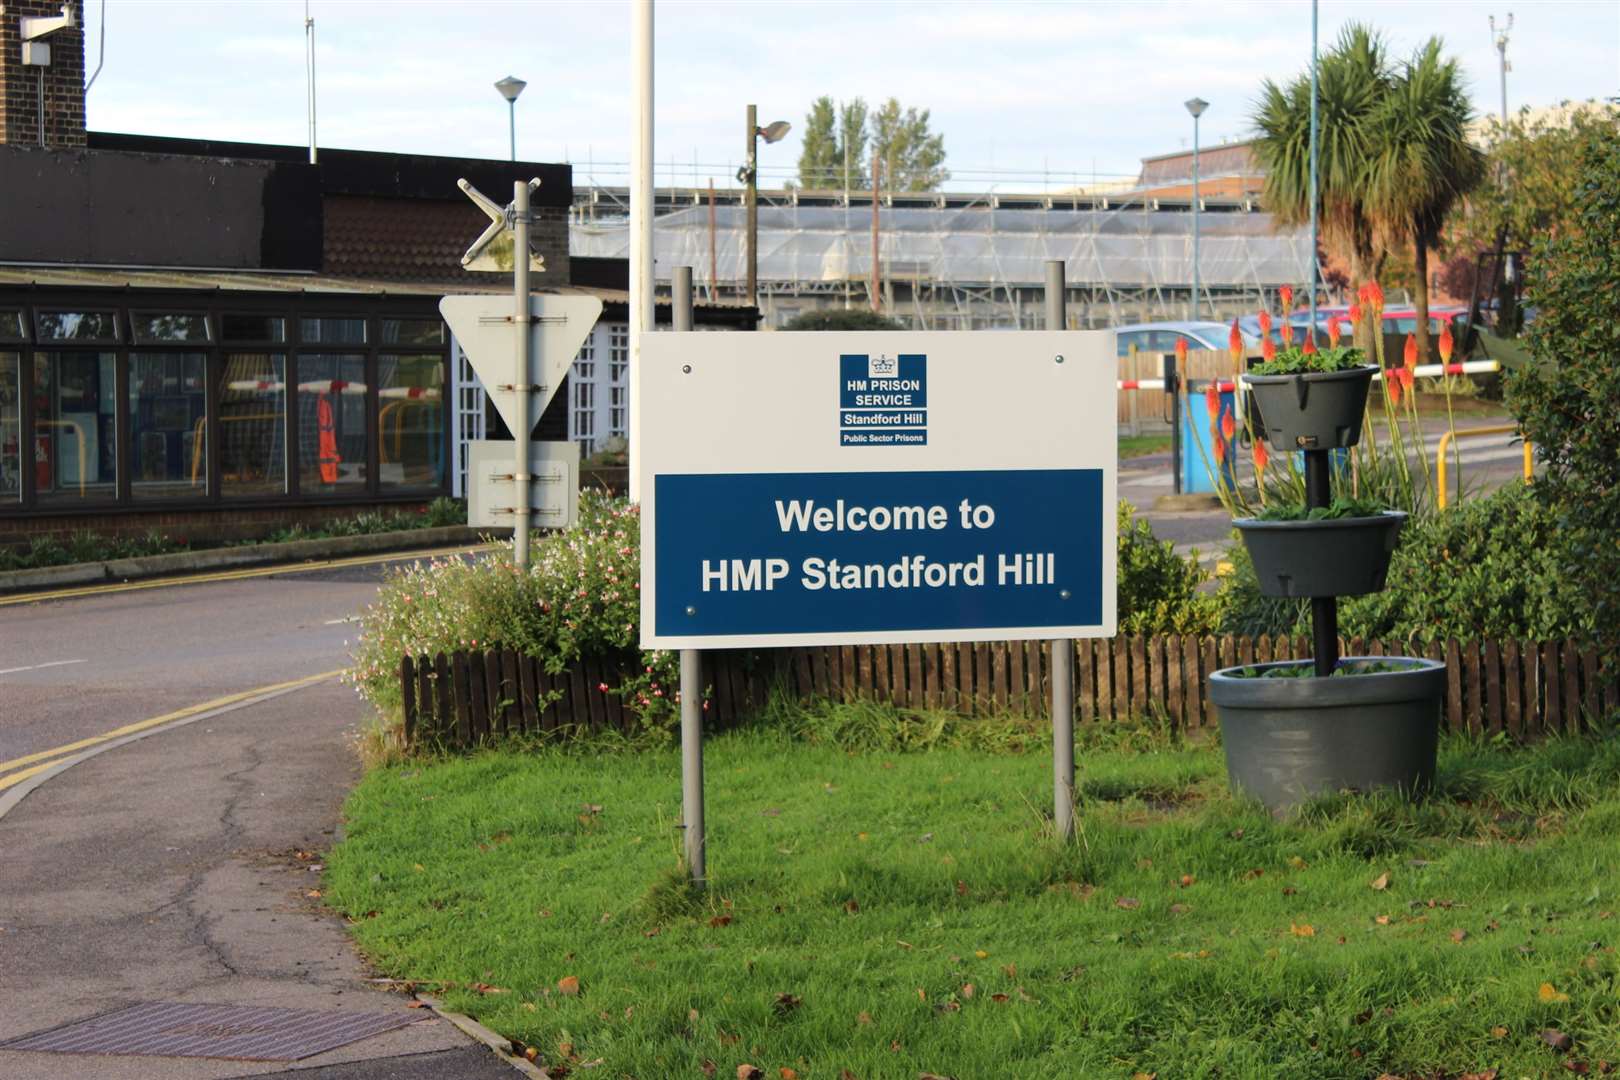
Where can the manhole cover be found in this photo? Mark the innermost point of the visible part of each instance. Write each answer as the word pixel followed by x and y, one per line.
pixel 170 1029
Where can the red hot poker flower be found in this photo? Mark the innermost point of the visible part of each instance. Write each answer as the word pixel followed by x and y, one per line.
pixel 1228 424
pixel 1265 324
pixel 1355 315
pixel 1287 333
pixel 1335 327
pixel 1392 386
pixel 1287 294
pixel 1375 296
pixel 1261 455
pixel 1405 376
pixel 1212 398
pixel 1411 352
pixel 1309 348
pixel 1446 344
pixel 1268 349
pixel 1181 351
pixel 1234 341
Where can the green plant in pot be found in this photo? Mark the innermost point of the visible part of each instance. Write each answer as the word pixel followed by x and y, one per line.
pixel 1352 723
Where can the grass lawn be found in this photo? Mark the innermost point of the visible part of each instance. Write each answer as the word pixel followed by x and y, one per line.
pixel 1141 445
pixel 895 914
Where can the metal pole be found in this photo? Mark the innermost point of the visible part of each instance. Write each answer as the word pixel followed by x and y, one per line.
pixel 309 35
pixel 1062 648
pixel 641 218
pixel 1324 609
pixel 1194 307
pixel 1314 268
pixel 511 126
pixel 691 674
pixel 522 377
pixel 752 198
pixel 877 303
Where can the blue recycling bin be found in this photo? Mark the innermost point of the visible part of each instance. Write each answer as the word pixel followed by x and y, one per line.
pixel 1199 466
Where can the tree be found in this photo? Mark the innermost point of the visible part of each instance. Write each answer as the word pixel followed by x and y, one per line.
pixel 1420 162
pixel 820 156
pixel 834 147
pixel 1353 78
pixel 913 158
pixel 1566 404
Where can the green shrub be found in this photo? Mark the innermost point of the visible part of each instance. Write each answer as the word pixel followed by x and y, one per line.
pixel 841 319
pixel 1493 566
pixel 580 597
pixel 1568 403
pixel 1158 589
pixel 443 511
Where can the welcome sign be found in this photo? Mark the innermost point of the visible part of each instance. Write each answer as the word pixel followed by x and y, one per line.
pixel 876 487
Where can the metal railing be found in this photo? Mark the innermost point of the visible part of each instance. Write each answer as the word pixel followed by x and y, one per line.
pixel 1447 437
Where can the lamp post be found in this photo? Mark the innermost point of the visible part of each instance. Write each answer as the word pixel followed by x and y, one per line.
pixel 1196 106
pixel 749 175
pixel 510 87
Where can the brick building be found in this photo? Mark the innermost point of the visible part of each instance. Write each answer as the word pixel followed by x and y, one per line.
pixel 216 338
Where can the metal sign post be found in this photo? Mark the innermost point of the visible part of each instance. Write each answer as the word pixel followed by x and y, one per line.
pixel 1062 648
pixel 691 676
pixel 522 385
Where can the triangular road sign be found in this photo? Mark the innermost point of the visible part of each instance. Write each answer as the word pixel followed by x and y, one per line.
pixel 558 326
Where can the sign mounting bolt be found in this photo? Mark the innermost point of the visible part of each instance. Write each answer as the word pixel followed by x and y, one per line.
pixel 1064 594
pixel 686 369
pixel 691 610
pixel 1058 358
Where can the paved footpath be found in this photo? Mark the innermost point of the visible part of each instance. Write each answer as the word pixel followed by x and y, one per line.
pixel 168 869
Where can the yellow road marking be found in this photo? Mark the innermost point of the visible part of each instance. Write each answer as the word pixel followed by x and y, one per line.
pixel 50 757
pixel 234 575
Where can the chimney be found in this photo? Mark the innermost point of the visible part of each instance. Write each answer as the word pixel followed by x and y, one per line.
pixel 41 49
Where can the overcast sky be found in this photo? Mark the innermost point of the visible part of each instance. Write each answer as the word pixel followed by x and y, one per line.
pixel 1024 93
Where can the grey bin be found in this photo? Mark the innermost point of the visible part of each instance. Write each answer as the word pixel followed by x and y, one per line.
pixel 1289 739
pixel 1318 410
pixel 1335 557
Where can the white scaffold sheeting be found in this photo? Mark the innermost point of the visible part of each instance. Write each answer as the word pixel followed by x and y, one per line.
pixel 974 246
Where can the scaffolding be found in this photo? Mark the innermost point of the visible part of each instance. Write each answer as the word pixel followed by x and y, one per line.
pixel 970 262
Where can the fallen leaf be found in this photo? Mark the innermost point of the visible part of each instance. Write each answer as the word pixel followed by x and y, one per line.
pixel 1488 1074
pixel 933 1076
pixel 922 995
pixel 416 1005
pixel 1499 1032
pixel 1579 1068
pixel 1297 863
pixel 980 953
pixel 1459 936
pixel 961 888
pixel 894 1046
pixel 1251 874
pixel 1556 1039
pixel 967 991
pixel 1290 891
pixel 746 1071
pixel 314 894
pixel 948 1007
pixel 545 913
pixel 999 999
pixel 1548 994
pixel 845 1074
pixel 787 1074
pixel 1010 970
pixel 531 1054
pixel 864 1019
pixel 852 907
pixel 719 921
pixel 785 1003
pixel 1129 903
pixel 1379 883
pixel 709 1068
pixel 1186 880
pixel 1236 834
pixel 654 932
pixel 1381 920
pixel 1302 929
pixel 1144 1076
pixel 569 985
pixel 1179 909
pixel 485 988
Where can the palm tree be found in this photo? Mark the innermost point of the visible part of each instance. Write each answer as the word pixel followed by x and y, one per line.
pixel 1353 78
pixel 1422 162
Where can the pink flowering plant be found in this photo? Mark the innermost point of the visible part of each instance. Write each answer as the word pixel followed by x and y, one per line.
pixel 581 597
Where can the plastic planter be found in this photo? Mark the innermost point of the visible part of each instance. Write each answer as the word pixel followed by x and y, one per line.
pixel 1315 411
pixel 1335 557
pixel 1288 739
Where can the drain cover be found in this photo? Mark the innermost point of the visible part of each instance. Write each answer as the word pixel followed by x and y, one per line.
pixel 171 1029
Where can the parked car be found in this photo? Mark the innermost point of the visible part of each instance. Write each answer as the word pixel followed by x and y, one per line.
pixel 1161 337
pixel 1398 322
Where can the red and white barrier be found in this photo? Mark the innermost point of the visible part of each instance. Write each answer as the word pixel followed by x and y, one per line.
pixel 1422 371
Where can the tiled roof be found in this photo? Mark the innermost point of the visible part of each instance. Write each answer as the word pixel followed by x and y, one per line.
pixel 411 239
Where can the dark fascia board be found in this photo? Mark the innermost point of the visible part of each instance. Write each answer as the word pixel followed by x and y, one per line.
pixel 741 318
pixel 367 172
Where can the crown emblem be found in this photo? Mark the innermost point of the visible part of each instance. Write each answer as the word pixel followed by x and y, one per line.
pixel 880 366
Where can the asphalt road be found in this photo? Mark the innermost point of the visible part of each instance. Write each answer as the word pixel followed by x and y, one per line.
pixel 74 668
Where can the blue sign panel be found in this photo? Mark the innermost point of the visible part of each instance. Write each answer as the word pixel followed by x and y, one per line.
pixel 882 399
pixel 917 552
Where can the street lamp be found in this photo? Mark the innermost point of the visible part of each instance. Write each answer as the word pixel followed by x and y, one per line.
pixel 749 174
pixel 1196 106
pixel 510 87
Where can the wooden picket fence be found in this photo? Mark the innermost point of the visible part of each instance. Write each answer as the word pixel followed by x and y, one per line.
pixel 1523 688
